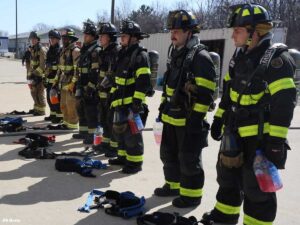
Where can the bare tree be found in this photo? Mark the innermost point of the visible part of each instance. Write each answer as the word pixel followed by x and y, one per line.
pixel 42 27
pixel 102 17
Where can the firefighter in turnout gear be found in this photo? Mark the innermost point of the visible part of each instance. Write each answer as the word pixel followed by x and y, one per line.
pixel 108 39
pixel 86 89
pixel 66 79
pixel 132 82
pixel 188 89
pixel 52 61
pixel 255 112
pixel 36 74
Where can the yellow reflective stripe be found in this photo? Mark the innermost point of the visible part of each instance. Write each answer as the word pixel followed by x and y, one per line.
pixel 113 144
pixel 91 85
pixel 169 91
pixel 139 95
pixel 68 68
pixel 102 74
pixel 60 115
pixel 162 99
pixel 74 79
pixel 39 70
pixel 194 193
pixel 83 128
pixel 278 131
pixel 246 99
pixel 134 158
pixel 176 122
pixel 200 108
pixel 34 63
pixel 52 113
pixel 238 10
pixel 105 139
pixel 252 130
pixel 219 112
pixel 91 130
pixel 95 65
pixel 246 12
pixel 248 220
pixel 51 81
pixel 124 101
pixel 42 109
pixel 281 84
pixel 83 69
pixel 257 10
pixel 70 125
pixel 142 70
pixel 61 67
pixel 200 81
pixel 122 153
pixel 54 67
pixel 102 94
pixel 112 90
pixel 227 77
pixel 123 81
pixel 227 209
pixel 173 185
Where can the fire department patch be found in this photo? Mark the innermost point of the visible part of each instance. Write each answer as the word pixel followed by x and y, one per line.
pixel 277 63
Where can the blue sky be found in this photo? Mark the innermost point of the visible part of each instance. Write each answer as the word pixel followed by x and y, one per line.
pixel 60 12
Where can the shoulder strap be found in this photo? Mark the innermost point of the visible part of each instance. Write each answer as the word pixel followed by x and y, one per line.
pixel 190 55
pixel 134 55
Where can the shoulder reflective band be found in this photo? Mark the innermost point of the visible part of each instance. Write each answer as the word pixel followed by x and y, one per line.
pixel 278 131
pixel 173 185
pixel 139 95
pixel 245 99
pixel 200 81
pixel 200 108
pixel 169 91
pixel 281 84
pixel 219 112
pixel 248 220
pixel 176 122
pixel 227 77
pixel 227 209
pixel 122 81
pixel 142 70
pixel 193 193
pixel 252 130
pixel 134 158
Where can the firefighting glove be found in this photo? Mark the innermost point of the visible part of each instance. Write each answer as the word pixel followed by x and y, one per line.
pixel 216 129
pixel 276 152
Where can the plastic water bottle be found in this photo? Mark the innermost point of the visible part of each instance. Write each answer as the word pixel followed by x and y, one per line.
pixel 138 121
pixel 157 131
pixel 98 135
pixel 266 173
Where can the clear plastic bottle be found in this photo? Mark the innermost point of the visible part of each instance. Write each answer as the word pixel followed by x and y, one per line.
pixel 157 131
pixel 138 121
pixel 98 135
pixel 266 173
pixel 132 124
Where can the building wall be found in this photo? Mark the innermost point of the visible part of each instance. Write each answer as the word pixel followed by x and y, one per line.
pixel 3 45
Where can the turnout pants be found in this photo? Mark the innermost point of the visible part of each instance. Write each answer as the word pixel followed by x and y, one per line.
pixel 88 115
pixel 180 153
pixel 239 184
pixel 105 121
pixel 68 108
pixel 38 96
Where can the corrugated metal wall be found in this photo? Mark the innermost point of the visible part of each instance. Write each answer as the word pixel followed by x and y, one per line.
pixel 160 42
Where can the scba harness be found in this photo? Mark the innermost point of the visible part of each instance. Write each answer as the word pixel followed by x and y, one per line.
pixel 124 204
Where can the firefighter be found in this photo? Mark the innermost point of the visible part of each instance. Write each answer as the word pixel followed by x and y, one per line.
pixel 188 89
pixel 52 60
pixel 108 40
pixel 66 79
pixel 26 58
pixel 87 97
pixel 256 110
pixel 132 82
pixel 36 74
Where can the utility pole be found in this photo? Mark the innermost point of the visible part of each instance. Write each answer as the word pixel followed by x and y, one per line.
pixel 17 50
pixel 112 14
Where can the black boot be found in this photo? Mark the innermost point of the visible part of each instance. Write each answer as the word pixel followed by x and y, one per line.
pixel 89 139
pixel 182 202
pixel 210 218
pixel 58 127
pixel 49 118
pixel 79 136
pixel 56 120
pixel 101 149
pixel 166 191
pixel 118 161
pixel 131 169
pixel 111 153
